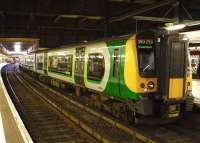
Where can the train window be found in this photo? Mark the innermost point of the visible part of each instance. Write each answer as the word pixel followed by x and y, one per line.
pixel 30 61
pixel 61 64
pixel 116 63
pixel 95 67
pixel 146 56
pixel 40 62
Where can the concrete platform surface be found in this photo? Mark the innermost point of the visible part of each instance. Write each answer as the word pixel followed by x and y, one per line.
pixel 12 129
pixel 196 90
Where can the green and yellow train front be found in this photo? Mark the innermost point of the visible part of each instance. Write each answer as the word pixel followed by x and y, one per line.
pixel 150 74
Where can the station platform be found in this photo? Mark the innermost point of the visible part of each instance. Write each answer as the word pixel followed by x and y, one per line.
pixel 12 129
pixel 196 90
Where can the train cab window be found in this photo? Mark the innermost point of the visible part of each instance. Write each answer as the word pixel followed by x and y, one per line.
pixel 40 62
pixel 95 67
pixel 61 64
pixel 146 57
pixel 116 63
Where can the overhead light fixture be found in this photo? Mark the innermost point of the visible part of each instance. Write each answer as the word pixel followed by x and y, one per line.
pixel 192 23
pixel 192 34
pixel 175 27
pixel 17 47
pixel 17 53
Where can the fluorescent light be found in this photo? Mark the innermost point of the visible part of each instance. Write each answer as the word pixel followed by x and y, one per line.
pixel 185 39
pixel 175 27
pixel 192 34
pixel 17 47
pixel 193 23
pixel 17 52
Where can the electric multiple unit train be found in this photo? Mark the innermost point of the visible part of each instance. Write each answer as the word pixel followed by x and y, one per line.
pixel 143 77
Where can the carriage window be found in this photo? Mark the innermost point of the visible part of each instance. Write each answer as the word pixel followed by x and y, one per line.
pixel 30 61
pixel 116 63
pixel 146 56
pixel 61 64
pixel 40 62
pixel 95 67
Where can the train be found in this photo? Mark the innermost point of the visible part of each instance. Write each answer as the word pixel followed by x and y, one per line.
pixel 3 58
pixel 144 77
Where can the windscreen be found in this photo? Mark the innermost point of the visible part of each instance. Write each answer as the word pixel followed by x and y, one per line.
pixel 146 55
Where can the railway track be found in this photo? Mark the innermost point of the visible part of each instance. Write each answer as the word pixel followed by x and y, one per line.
pixel 108 129
pixel 94 126
pixel 45 124
pixel 185 130
pixel 99 128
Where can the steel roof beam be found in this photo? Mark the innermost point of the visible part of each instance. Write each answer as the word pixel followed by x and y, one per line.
pixel 32 40
pixel 81 16
pixel 70 16
pixel 142 10
pixel 156 19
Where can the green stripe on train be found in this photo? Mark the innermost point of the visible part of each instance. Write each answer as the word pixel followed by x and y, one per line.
pixel 116 85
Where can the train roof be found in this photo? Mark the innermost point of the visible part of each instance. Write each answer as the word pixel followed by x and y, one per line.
pixel 85 43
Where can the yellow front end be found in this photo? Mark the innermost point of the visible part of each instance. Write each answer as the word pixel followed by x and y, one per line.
pixel 131 71
pixel 176 88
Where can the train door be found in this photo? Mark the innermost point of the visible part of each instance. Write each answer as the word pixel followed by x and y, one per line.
pixel 116 71
pixel 79 65
pixel 172 67
pixel 45 62
pixel 177 69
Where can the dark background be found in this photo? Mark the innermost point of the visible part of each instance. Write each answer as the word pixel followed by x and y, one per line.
pixel 60 22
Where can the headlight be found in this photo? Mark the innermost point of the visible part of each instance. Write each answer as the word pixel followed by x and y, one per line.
pixel 150 85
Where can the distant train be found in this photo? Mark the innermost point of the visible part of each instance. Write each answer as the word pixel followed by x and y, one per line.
pixel 3 58
pixel 145 77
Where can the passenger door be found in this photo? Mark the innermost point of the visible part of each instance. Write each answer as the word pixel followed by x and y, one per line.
pixel 45 63
pixel 79 65
pixel 116 71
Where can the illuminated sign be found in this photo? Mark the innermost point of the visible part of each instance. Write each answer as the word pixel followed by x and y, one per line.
pixel 145 43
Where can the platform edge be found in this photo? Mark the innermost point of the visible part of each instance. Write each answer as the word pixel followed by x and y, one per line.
pixel 24 132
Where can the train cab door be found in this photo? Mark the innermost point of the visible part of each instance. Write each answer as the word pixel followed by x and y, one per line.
pixel 178 68
pixel 79 65
pixel 116 72
pixel 172 67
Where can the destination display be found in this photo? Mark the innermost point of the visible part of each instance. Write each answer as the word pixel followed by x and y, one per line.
pixel 145 43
